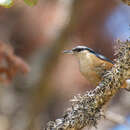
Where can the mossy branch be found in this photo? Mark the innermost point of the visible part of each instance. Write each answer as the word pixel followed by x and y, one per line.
pixel 86 109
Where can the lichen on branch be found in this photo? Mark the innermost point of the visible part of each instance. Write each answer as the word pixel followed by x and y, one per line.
pixel 86 109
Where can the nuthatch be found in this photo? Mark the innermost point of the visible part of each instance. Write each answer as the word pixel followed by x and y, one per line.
pixel 92 65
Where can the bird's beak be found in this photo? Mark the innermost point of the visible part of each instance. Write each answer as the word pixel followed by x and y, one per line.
pixel 68 52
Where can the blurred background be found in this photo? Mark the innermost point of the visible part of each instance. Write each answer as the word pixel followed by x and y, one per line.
pixel 39 35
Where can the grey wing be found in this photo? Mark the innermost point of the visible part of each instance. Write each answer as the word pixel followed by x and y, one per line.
pixel 104 58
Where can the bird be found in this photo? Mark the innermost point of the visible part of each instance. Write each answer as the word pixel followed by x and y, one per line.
pixel 92 64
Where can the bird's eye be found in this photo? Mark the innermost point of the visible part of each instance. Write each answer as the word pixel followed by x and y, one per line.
pixel 77 49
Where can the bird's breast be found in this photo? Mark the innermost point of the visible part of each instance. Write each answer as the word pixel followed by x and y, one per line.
pixel 89 71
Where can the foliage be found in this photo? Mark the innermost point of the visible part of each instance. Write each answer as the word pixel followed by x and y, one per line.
pixel 6 3
pixel 9 3
pixel 30 2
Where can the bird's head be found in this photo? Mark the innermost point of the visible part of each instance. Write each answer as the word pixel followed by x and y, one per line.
pixel 83 53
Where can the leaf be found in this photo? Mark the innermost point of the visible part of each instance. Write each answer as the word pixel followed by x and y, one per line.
pixel 6 3
pixel 31 2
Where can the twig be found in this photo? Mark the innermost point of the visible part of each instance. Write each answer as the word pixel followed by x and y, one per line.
pixel 86 109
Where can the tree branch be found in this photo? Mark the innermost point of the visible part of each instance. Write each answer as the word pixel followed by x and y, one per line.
pixel 86 109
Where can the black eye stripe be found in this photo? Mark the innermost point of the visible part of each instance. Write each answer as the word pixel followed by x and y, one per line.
pixel 78 49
